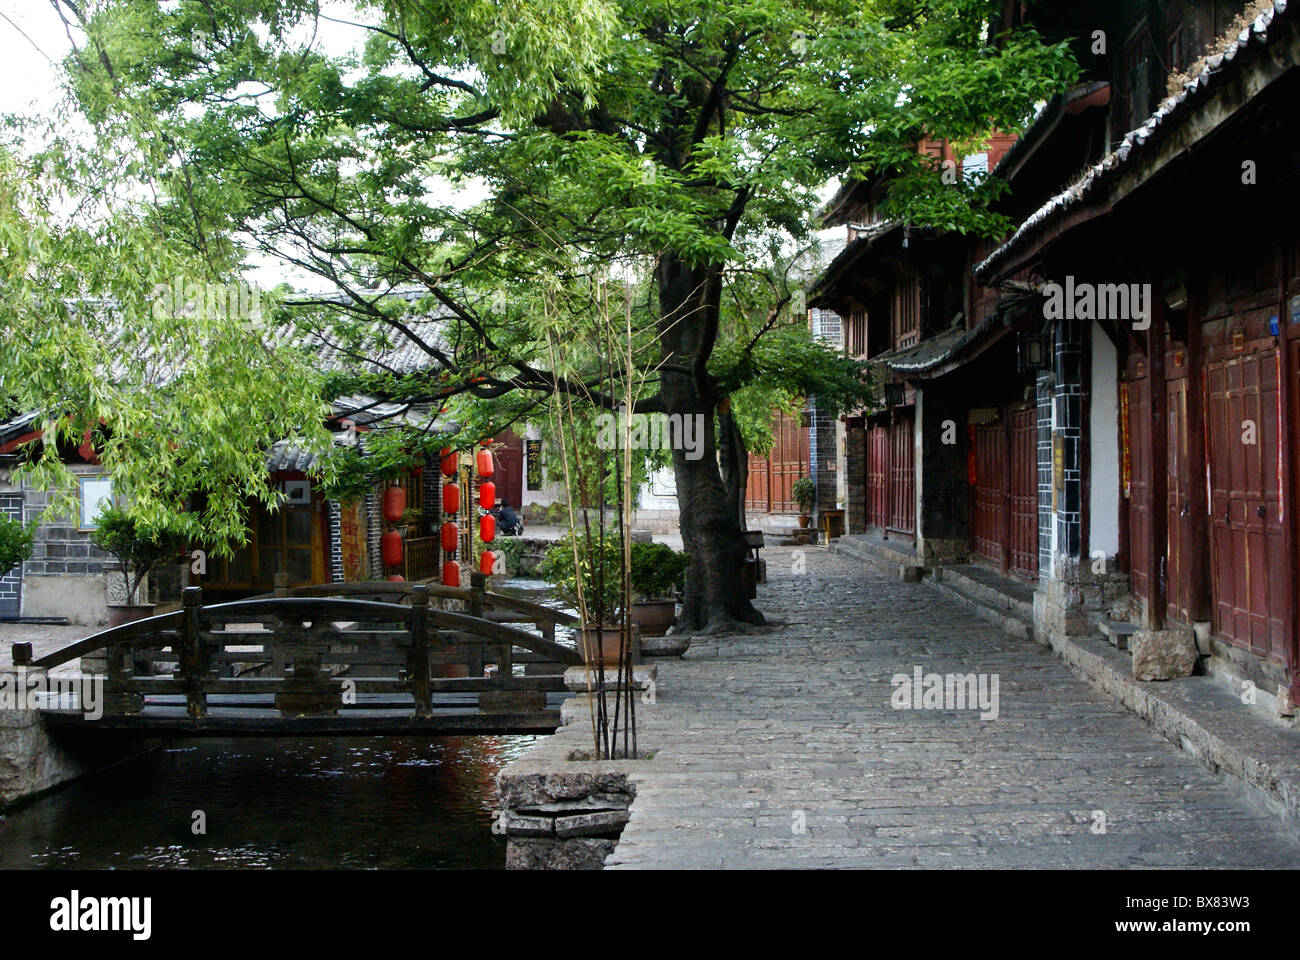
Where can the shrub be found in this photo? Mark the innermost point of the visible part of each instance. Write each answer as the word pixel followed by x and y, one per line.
pixel 657 570
pixel 15 543
pixel 137 548
pixel 557 568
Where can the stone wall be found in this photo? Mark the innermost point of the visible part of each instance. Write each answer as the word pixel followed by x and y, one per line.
pixel 561 812
pixel 943 521
pixel 32 760
pixel 855 477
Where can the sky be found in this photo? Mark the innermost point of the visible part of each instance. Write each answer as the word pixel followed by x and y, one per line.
pixel 28 78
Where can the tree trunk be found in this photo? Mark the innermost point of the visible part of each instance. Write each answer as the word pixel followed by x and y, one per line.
pixel 714 599
pixel 734 459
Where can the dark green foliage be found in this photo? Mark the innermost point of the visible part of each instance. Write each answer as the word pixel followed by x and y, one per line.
pixel 657 570
pixel 15 543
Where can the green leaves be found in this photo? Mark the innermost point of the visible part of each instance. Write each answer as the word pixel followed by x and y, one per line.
pixel 15 543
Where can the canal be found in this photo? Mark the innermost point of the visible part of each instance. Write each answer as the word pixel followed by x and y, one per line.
pixel 349 803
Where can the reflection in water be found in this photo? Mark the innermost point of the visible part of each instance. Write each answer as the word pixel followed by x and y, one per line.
pixel 322 803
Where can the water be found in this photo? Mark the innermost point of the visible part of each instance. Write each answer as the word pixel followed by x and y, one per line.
pixel 347 803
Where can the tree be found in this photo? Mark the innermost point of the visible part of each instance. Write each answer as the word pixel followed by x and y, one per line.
pixel 678 146
pixel 16 543
pixel 134 545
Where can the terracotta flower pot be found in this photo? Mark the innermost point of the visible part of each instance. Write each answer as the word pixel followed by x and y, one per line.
pixel 120 613
pixel 609 643
pixel 804 520
pixel 654 617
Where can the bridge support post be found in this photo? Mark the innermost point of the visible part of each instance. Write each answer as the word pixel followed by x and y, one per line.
pixel 421 689
pixel 193 661
pixel 118 695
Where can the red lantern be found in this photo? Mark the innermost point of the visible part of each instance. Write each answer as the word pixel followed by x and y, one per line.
pixel 487 495
pixel 394 503
pixel 451 574
pixel 450 534
pixel 486 561
pixel 396 577
pixel 390 548
pixel 448 462
pixel 451 498
pixel 485 465
pixel 487 528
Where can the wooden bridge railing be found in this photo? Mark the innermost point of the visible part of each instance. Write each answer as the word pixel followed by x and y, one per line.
pixel 310 650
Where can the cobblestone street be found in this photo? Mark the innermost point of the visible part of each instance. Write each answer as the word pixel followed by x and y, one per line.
pixel 756 734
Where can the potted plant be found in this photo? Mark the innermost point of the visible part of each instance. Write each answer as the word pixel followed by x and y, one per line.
pixel 15 543
pixel 804 492
pixel 410 520
pixel 657 571
pixel 601 590
pixel 137 549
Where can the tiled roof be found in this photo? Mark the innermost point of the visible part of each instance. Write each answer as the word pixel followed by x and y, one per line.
pixel 934 351
pixel 1138 142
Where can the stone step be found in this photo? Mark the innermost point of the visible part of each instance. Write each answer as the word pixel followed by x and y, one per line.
pixel 1006 604
pixel 998 593
pixel 879 554
pixel 1117 633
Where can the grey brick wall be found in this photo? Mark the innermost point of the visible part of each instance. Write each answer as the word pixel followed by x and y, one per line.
pixel 11 584
pixel 823 463
pixel 336 541
pixel 1044 398
pixel 60 549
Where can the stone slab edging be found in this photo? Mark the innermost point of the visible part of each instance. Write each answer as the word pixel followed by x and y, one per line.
pixel 1205 720
pixel 560 812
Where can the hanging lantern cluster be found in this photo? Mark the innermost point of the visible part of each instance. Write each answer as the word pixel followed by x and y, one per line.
pixel 450 532
pixel 390 544
pixel 487 499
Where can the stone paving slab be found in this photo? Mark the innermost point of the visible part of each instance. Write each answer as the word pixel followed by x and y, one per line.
pixel 781 749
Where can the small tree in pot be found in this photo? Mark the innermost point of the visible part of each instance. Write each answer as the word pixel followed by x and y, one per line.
pixel 137 549
pixel 15 543
pixel 657 571
pixel 602 586
pixel 804 492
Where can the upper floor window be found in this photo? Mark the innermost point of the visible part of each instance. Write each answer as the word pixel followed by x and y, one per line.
pixel 1135 79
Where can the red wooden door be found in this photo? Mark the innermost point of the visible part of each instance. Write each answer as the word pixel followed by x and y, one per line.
pixel 1250 575
pixel 1024 492
pixel 756 489
pixel 878 475
pixel 1139 489
pixel 988 496
pixel 1181 475
pixel 509 474
pixel 902 476
pixel 789 462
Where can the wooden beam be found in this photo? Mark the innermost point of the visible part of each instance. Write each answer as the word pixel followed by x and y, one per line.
pixel 1158 489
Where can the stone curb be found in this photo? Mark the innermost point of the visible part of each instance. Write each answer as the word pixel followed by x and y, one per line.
pixel 1266 781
